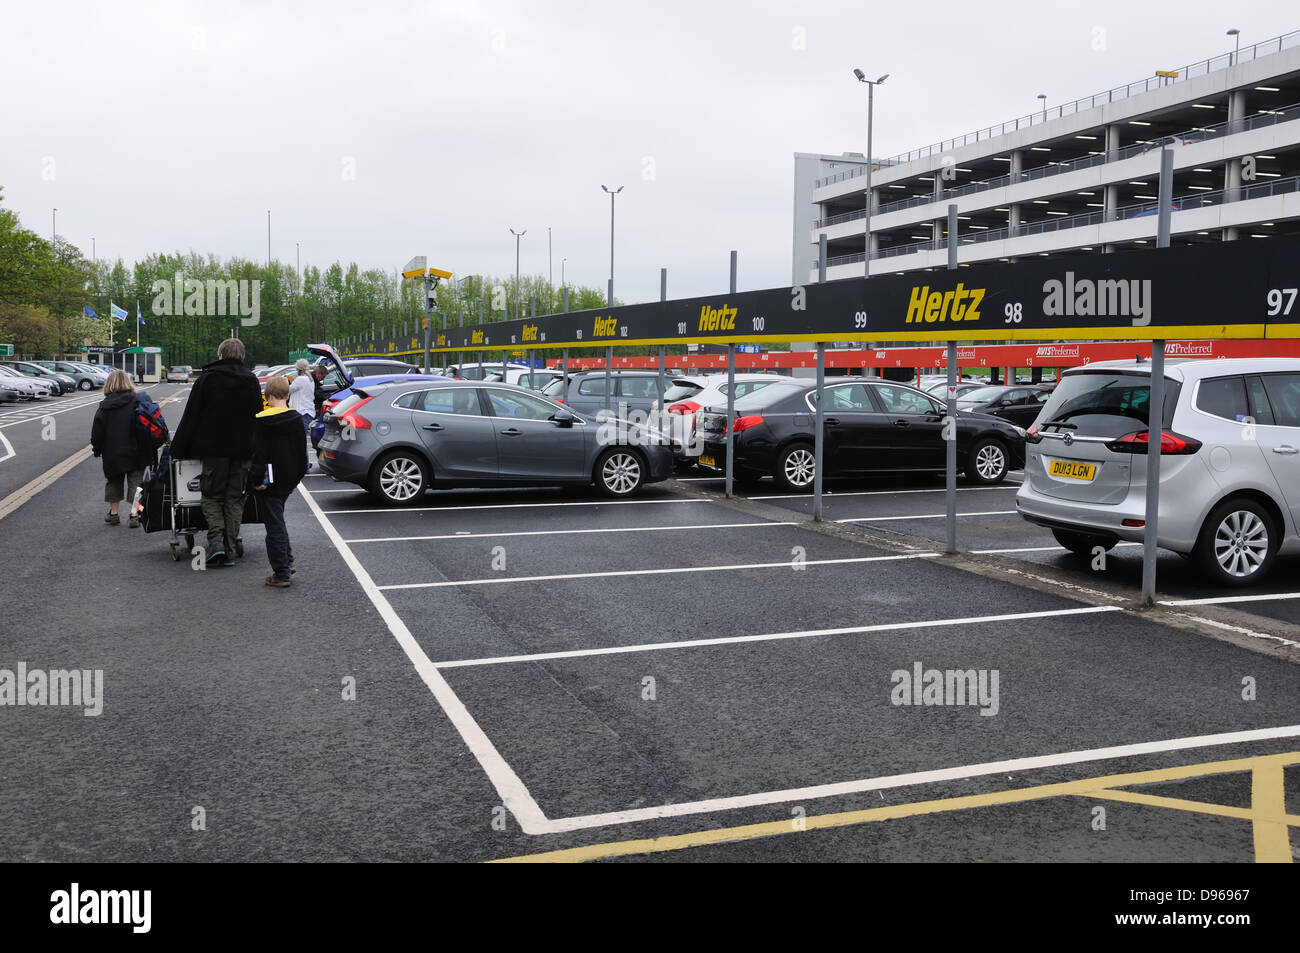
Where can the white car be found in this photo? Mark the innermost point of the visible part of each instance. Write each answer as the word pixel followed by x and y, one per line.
pixel 29 388
pixel 686 395
pixel 533 378
pixel 1229 468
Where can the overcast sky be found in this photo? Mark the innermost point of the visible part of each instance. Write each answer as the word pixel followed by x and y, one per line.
pixel 378 131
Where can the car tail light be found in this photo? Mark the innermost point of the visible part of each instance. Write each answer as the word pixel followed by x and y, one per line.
pixel 684 407
pixel 350 416
pixel 328 454
pixel 744 423
pixel 1136 522
pixel 1170 443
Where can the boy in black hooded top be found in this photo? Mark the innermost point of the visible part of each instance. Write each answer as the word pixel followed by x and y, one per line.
pixel 279 463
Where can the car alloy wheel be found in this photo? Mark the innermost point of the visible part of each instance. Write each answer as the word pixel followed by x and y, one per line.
pixel 798 467
pixel 987 462
pixel 401 479
pixel 84 385
pixel 1241 543
pixel 620 473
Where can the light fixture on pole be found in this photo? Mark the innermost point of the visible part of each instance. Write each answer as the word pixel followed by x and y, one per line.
pixel 610 297
pixel 1234 32
pixel 1043 98
pixel 518 235
pixel 871 89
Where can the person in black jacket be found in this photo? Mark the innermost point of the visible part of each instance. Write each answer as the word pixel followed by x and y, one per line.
pixel 217 428
pixel 279 464
pixel 318 375
pixel 112 438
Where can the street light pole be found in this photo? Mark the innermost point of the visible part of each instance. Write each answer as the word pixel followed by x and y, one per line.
pixel 610 297
pixel 871 89
pixel 268 238
pixel 1234 32
pixel 1043 97
pixel 54 226
pixel 550 261
pixel 518 235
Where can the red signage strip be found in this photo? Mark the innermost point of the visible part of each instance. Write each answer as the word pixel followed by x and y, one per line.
pixel 993 355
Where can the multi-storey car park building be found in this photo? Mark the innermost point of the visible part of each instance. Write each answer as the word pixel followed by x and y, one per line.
pixel 1078 178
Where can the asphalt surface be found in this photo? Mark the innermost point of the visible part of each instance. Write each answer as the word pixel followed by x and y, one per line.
pixel 522 660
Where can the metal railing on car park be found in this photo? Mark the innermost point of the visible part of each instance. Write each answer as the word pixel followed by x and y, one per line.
pixel 1181 204
pixel 1197 134
pixel 1202 68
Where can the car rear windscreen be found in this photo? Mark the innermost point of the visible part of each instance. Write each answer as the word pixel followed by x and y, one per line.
pixel 1105 403
pixel 680 390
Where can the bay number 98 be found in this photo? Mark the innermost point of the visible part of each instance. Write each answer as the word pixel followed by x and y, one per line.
pixel 1275 297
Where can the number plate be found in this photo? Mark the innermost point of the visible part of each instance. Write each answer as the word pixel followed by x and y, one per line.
pixel 1071 470
pixel 707 460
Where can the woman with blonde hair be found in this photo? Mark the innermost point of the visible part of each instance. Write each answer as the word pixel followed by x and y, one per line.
pixel 113 439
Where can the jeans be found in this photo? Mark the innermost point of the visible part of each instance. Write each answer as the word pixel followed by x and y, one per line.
pixel 279 552
pixel 306 425
pixel 222 482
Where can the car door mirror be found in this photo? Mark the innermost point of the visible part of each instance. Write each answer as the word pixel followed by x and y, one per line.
pixel 562 418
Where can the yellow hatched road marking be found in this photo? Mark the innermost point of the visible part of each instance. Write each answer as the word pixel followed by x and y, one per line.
pixel 1267 812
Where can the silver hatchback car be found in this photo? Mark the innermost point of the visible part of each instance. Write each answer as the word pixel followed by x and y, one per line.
pixel 1229 471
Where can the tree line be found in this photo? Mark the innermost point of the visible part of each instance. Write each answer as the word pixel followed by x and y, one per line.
pixel 45 287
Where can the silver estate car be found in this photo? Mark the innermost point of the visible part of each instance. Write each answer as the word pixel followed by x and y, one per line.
pixel 399 439
pixel 1229 470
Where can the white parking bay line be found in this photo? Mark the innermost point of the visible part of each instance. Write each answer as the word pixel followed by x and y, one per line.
pixel 808 496
pixel 1032 549
pixel 514 795
pixel 786 564
pixel 567 532
pixel 774 636
pixel 964 772
pixel 508 506
pixel 1262 597
pixel 923 516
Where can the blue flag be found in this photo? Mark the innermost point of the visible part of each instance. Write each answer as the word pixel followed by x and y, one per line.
pixel 116 312
pixel 138 318
pixel 90 312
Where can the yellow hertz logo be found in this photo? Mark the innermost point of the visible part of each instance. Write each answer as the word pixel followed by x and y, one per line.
pixel 442 340
pixel 604 328
pixel 717 319
pixel 476 337
pixel 962 304
pixel 529 333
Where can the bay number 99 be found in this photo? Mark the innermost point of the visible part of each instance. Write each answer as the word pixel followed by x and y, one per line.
pixel 1275 297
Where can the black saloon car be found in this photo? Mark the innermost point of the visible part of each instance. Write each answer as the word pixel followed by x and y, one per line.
pixel 872 426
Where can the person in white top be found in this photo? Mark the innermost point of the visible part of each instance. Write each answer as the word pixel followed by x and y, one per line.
pixel 302 399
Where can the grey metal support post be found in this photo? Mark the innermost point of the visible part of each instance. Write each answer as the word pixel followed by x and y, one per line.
pixel 566 300
pixel 505 361
pixel 1156 402
pixel 609 376
pixel 731 406
pixel 564 366
pixel 950 450
pixel 819 440
pixel 821 259
pixel 663 410
pixel 731 394
pixel 428 323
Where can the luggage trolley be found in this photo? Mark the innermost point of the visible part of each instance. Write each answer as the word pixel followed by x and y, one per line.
pixel 181 498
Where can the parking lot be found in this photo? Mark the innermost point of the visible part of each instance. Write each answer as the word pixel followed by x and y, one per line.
pixel 680 670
